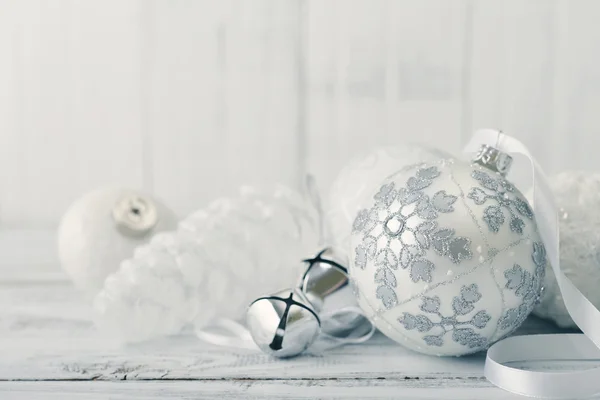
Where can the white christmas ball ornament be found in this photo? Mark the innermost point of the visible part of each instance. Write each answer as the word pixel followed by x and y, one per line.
pixel 357 181
pixel 446 258
pixel 102 228
pixel 577 194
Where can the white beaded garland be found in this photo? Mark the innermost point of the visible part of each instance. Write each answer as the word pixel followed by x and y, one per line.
pixel 446 257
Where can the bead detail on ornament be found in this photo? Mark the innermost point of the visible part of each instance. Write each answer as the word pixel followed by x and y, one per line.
pixel 497 190
pixel 394 225
pixel 461 332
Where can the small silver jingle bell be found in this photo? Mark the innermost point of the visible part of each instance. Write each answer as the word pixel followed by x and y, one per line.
pixel 283 324
pixel 289 322
pixel 326 285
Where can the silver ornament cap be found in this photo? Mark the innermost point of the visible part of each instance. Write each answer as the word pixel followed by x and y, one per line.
pixel 493 159
pixel 135 215
pixel 283 324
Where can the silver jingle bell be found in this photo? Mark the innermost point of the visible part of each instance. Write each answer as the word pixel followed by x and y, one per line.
pixel 289 322
pixel 326 285
pixel 283 324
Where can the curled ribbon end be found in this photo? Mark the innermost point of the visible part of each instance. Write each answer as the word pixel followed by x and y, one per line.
pixel 556 385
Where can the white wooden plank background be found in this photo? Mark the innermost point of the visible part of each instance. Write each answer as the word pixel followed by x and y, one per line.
pixel 192 98
pixel 352 389
pixel 383 72
pixel 73 119
pixel 223 97
pixel 49 347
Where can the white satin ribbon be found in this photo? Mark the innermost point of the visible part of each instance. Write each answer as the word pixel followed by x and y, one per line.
pixel 586 346
pixel 228 333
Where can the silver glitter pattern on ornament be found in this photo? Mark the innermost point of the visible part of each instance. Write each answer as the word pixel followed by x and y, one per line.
pixel 362 176
pixel 497 190
pixel 525 285
pixel 463 332
pixel 492 253
pixel 414 240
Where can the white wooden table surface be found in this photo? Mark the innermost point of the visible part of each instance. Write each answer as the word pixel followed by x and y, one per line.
pixel 49 349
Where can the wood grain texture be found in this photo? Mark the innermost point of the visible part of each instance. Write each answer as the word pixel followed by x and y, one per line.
pixel 29 255
pixel 252 389
pixel 191 99
pixel 222 98
pixel 10 58
pixel 47 333
pixel 34 57
pixel 575 87
pixel 49 348
pixel 383 72
pixel 75 97
pixel 514 66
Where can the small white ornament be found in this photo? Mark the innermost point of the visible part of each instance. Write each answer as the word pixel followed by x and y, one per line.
pixel 577 194
pixel 213 266
pixel 359 179
pixel 102 228
pixel 446 258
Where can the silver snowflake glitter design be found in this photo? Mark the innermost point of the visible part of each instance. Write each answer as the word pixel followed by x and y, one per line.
pixel 410 221
pixel 463 331
pixel 498 190
pixel 526 286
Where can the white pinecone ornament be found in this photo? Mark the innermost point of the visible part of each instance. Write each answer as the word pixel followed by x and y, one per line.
pixel 218 261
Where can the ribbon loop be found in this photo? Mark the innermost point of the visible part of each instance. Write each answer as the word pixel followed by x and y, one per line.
pixel 586 346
